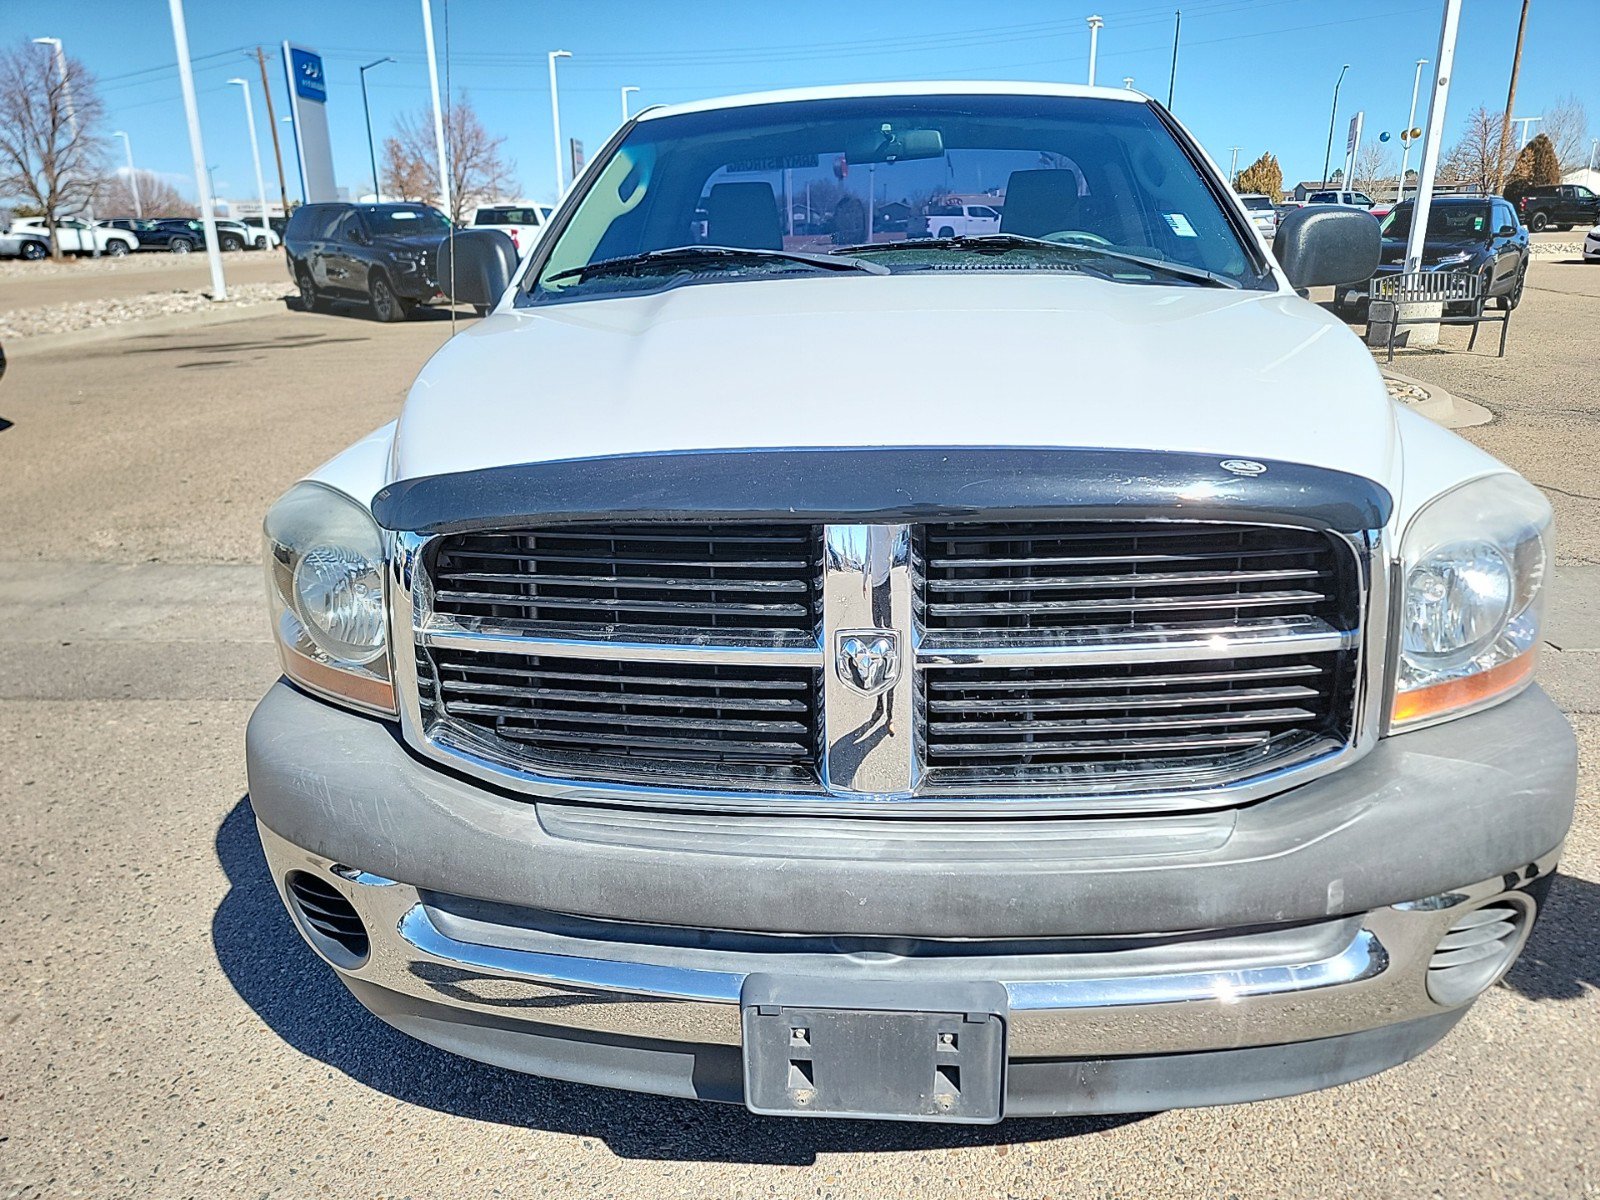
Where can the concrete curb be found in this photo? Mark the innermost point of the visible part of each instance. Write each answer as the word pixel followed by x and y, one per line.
pixel 45 343
pixel 1441 406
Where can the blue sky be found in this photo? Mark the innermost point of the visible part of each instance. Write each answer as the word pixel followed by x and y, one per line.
pixel 1253 73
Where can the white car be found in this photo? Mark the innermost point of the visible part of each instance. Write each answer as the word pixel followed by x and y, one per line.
pixel 1039 674
pixel 75 236
pixel 1263 215
pixel 962 220
pixel 254 235
pixel 524 222
pixel 1591 245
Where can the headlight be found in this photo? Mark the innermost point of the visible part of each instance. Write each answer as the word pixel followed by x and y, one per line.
pixel 325 585
pixel 1474 564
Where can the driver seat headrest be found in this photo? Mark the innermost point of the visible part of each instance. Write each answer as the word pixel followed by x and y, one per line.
pixel 1039 203
pixel 744 215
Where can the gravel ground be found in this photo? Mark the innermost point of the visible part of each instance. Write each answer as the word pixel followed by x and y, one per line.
pixel 164 1033
pixel 145 260
pixel 93 314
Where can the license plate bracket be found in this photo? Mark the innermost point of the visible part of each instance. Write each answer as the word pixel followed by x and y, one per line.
pixel 875 1050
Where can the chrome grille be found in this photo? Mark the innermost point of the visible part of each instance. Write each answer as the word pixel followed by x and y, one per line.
pixel 692 578
pixel 1076 665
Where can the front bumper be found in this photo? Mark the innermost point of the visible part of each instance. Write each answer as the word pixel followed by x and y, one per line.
pixel 1146 962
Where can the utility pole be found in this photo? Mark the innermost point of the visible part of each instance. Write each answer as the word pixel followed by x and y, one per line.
pixel 1511 99
pixel 1327 156
pixel 133 178
pixel 1172 78
pixel 372 154
pixel 438 113
pixel 255 157
pixel 1096 24
pixel 272 123
pixel 1411 123
pixel 555 121
pixel 191 109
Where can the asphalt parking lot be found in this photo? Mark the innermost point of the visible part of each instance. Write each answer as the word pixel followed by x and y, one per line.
pixel 165 1033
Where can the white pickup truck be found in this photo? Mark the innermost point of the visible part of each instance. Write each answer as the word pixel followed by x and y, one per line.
pixel 1035 673
pixel 961 220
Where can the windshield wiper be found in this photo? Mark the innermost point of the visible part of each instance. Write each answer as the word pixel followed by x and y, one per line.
pixel 998 243
pixel 679 257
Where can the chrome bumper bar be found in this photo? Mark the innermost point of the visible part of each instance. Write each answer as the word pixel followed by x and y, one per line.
pixel 1376 977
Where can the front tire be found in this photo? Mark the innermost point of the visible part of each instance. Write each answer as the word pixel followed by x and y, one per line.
pixel 180 245
pixel 261 243
pixel 33 251
pixel 310 301
pixel 386 306
pixel 231 244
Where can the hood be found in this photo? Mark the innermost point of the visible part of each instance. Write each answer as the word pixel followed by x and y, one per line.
pixel 1433 249
pixel 410 241
pixel 968 359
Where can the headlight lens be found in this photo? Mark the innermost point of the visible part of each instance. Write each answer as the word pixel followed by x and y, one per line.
pixel 1474 565
pixel 325 584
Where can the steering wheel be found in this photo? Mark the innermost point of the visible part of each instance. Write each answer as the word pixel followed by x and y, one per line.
pixel 1068 236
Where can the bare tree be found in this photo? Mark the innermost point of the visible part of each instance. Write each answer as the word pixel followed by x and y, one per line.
pixel 1566 124
pixel 158 198
pixel 478 169
pixel 1476 159
pixel 1374 167
pixel 46 160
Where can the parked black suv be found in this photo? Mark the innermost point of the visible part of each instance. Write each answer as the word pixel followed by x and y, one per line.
pixel 383 254
pixel 1475 235
pixel 177 234
pixel 1562 205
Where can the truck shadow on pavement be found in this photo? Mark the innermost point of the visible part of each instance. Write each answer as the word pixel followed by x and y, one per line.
pixel 298 997
pixel 1562 959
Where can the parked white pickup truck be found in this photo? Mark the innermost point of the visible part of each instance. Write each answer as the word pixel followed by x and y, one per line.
pixel 76 236
pixel 1030 674
pixel 962 220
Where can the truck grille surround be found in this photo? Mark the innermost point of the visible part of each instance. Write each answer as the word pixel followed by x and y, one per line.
pixel 1086 665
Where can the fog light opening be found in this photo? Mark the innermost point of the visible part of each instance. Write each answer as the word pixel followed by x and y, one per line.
pixel 1479 948
pixel 329 921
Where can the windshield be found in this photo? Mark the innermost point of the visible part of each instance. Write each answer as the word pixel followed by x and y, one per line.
pixel 1446 223
pixel 402 222
pixel 816 177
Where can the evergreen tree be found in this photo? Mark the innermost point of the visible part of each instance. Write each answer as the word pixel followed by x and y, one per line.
pixel 1264 176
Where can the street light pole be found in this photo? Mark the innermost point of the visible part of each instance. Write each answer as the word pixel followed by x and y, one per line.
pixel 438 113
pixel 133 178
pixel 72 124
pixel 1327 157
pixel 1233 168
pixel 372 154
pixel 1411 123
pixel 1096 24
pixel 1127 82
pixel 255 158
pixel 555 121
pixel 191 110
pixel 625 92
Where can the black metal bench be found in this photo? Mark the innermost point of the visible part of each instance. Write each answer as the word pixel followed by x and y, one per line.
pixel 1444 288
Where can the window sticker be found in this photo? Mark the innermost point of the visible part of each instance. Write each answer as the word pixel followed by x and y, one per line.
pixel 1180 224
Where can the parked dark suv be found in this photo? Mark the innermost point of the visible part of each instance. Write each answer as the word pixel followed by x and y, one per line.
pixel 382 254
pixel 1562 205
pixel 1473 235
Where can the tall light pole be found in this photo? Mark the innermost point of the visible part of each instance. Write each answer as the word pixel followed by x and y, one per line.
pixel 1327 157
pixel 191 110
pixel 72 124
pixel 555 121
pixel 1444 68
pixel 1233 168
pixel 1096 24
pixel 1127 82
pixel 625 92
pixel 133 178
pixel 255 158
pixel 372 154
pixel 438 113
pixel 1411 123
pixel 1594 145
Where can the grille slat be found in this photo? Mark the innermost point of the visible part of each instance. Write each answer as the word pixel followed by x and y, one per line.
pixel 957 609
pixel 1055 704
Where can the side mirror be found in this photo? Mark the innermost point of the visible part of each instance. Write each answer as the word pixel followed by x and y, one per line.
pixel 475 265
pixel 1506 231
pixel 1326 246
pixel 358 237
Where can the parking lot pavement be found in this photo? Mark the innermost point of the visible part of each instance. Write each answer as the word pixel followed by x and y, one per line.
pixel 164 1032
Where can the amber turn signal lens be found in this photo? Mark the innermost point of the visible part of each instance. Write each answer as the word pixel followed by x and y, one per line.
pixel 1456 694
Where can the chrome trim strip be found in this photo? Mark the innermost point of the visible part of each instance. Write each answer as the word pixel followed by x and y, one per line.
pixel 868 689
pixel 1309 636
pixel 454 637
